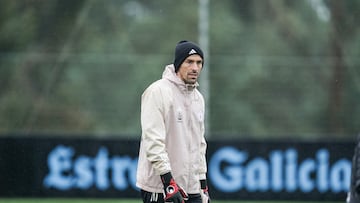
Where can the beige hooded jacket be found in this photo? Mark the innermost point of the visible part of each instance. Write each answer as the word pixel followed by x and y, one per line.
pixel 172 121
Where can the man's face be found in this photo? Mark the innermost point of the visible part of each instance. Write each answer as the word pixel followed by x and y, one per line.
pixel 189 70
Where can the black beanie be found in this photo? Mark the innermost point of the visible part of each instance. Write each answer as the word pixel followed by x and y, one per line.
pixel 183 50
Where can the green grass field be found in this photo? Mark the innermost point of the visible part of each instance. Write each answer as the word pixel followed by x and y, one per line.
pixel 56 200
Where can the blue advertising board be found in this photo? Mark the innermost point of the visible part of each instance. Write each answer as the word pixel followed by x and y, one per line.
pixel 237 170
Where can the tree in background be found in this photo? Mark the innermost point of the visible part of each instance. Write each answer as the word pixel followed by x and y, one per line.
pixel 278 68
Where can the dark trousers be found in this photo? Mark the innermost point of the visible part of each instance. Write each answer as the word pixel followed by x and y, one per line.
pixel 149 197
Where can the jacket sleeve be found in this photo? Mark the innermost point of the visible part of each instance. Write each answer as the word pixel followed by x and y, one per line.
pixel 153 130
pixel 203 165
pixel 203 147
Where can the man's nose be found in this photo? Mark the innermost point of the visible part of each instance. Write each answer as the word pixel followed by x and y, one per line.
pixel 195 66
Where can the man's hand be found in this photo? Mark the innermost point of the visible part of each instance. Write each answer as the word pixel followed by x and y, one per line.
pixel 173 193
pixel 204 192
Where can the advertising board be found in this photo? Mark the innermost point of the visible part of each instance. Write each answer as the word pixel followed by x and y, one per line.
pixel 106 168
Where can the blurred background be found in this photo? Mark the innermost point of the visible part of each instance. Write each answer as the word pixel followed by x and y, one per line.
pixel 276 69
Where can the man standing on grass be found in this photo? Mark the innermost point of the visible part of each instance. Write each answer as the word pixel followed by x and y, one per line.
pixel 172 163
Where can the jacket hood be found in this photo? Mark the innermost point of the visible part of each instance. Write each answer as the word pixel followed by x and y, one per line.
pixel 169 74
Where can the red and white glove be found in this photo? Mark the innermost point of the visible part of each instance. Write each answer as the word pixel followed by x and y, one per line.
pixel 173 192
pixel 204 191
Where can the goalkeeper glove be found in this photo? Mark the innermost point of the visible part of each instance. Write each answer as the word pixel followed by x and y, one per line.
pixel 204 191
pixel 173 192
